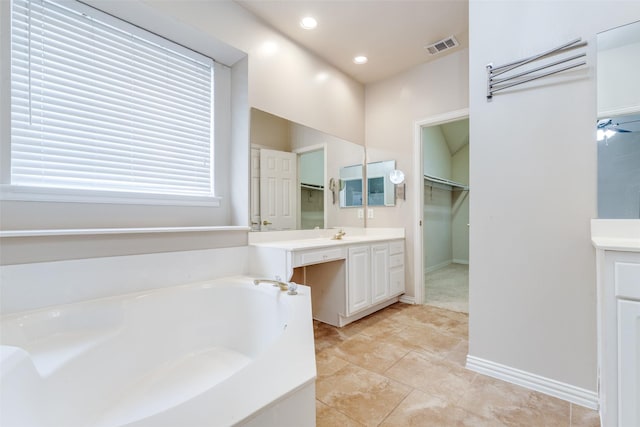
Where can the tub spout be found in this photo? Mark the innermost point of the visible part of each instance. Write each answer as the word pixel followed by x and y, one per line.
pixel 284 286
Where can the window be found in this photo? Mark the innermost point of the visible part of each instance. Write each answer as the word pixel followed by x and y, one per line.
pixel 101 107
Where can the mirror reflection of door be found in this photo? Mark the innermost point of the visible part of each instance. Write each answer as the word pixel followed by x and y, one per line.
pixel 254 205
pixel 311 172
pixel 278 192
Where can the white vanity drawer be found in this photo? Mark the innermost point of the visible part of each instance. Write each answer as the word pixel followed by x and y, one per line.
pixel 396 260
pixel 318 256
pixel 396 281
pixel 627 278
pixel 396 247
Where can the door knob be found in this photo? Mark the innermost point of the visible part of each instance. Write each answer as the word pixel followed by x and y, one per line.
pixel 265 222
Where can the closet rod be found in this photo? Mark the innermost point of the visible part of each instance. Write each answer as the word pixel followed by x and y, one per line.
pixel 312 186
pixel 445 181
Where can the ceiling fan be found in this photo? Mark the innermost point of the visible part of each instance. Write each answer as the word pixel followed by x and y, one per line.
pixel 607 128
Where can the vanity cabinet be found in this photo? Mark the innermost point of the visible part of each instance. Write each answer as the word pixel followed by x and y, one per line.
pixel 619 340
pixel 370 275
pixel 348 279
pixel 627 292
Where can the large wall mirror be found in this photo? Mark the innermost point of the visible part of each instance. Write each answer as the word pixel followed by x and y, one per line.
pixel 295 175
pixel 618 126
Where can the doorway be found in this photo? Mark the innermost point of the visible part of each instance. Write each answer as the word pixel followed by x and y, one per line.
pixel 443 190
pixel 311 178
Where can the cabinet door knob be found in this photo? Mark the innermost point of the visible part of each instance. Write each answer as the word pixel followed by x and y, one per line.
pixel 265 222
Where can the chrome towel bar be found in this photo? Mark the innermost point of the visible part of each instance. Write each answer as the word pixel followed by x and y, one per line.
pixel 494 84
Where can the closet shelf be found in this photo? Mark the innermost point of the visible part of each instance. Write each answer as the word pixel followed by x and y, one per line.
pixel 453 185
pixel 312 186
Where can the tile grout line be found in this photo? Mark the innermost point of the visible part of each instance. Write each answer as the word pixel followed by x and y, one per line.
pixel 396 407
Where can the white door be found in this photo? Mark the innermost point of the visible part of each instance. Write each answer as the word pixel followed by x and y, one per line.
pixel 278 190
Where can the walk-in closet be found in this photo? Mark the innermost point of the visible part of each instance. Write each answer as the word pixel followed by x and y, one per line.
pixel 446 215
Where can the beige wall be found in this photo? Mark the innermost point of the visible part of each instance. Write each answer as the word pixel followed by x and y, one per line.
pixel 284 79
pixel 393 106
pixel 533 176
pixel 269 131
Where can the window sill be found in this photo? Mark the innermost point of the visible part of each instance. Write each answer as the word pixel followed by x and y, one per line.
pixel 96 231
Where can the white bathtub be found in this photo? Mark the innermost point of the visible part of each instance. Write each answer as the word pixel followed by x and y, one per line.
pixel 212 354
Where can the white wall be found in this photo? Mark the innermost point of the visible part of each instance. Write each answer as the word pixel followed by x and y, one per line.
pixel 533 176
pixel 31 286
pixel 393 106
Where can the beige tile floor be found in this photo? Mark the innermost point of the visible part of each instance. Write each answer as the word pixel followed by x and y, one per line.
pixel 404 366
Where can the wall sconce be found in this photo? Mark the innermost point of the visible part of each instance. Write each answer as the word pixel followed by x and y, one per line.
pixel 397 177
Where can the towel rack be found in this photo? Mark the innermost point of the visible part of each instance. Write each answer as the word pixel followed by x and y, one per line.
pixel 495 84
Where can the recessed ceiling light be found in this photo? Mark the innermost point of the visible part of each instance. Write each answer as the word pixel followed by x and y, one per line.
pixel 308 23
pixel 360 59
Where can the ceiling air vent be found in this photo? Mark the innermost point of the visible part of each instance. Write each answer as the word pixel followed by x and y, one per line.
pixel 442 45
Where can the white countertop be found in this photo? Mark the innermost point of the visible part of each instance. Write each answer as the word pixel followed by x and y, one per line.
pixel 616 234
pixel 353 236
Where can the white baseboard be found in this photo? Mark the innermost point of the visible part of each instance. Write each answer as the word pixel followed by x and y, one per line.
pixel 407 299
pixel 554 388
pixel 461 261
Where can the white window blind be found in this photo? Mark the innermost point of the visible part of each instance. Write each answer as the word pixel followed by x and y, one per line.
pixel 99 104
